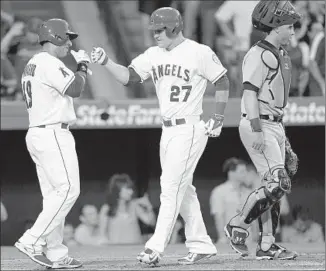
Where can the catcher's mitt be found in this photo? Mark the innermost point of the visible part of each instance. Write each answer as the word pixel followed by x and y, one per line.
pixel 291 159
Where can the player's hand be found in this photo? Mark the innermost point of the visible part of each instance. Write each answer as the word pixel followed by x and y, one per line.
pixel 214 126
pixel 98 55
pixel 259 141
pixel 81 56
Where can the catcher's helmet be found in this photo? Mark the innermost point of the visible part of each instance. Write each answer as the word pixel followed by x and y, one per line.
pixel 270 14
pixel 55 31
pixel 166 18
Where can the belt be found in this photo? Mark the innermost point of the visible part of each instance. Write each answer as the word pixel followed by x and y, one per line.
pixel 168 123
pixel 268 117
pixel 174 122
pixel 56 125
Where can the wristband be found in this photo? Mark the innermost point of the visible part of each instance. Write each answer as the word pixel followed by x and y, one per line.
pixel 255 125
pixel 219 117
pixel 82 67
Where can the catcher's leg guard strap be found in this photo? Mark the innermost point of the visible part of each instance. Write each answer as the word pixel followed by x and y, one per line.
pixel 276 184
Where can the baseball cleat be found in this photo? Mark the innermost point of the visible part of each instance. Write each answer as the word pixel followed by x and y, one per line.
pixel 192 258
pixel 237 237
pixel 35 255
pixel 275 252
pixel 67 263
pixel 149 257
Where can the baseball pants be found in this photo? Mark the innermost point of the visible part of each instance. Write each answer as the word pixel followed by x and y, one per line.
pixel 181 147
pixel 54 154
pixel 272 157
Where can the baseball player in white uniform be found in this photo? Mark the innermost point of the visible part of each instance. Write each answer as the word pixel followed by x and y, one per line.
pixel 48 89
pixel 180 69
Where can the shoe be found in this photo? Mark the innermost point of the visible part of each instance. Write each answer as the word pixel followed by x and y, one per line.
pixel 192 258
pixel 34 254
pixel 68 262
pixel 237 239
pixel 275 252
pixel 149 257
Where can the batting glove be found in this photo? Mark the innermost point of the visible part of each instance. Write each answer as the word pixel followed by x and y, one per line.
pixel 214 126
pixel 81 56
pixel 98 55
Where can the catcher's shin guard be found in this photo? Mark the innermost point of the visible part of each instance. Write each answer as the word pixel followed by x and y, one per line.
pixel 276 184
pixel 268 221
pixel 256 204
pixel 275 212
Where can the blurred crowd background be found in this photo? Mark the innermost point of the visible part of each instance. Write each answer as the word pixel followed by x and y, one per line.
pixel 225 26
pixel 115 208
pixel 124 217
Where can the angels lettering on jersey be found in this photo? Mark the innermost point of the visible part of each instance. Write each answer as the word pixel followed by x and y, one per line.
pixel 170 70
pixel 180 76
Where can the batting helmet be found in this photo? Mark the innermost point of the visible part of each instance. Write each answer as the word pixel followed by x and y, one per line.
pixel 166 18
pixel 55 31
pixel 270 14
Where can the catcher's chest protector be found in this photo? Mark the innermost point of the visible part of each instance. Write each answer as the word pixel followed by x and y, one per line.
pixel 278 84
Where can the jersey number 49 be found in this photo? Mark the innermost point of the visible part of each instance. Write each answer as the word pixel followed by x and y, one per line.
pixel 27 93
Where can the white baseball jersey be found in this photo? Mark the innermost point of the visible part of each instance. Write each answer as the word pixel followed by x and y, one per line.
pixel 44 82
pixel 180 76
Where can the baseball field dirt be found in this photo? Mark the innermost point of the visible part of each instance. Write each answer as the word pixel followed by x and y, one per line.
pixel 311 257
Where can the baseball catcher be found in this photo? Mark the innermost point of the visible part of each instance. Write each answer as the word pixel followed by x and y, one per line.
pixel 266 81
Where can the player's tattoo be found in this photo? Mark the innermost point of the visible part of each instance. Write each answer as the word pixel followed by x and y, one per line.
pixel 175 93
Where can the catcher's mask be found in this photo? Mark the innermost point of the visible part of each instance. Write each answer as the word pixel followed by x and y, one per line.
pixel 56 31
pixel 271 14
pixel 168 19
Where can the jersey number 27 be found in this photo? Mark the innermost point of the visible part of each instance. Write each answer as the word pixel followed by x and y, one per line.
pixel 175 93
pixel 27 93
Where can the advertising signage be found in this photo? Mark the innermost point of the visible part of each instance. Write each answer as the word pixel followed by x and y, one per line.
pixel 144 113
